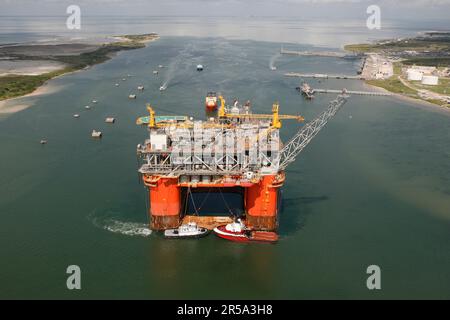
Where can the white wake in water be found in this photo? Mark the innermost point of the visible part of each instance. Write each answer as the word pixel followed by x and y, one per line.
pixel 128 228
pixel 273 59
pixel 109 222
pixel 183 57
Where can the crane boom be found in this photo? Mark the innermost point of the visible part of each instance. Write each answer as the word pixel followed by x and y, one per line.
pixel 296 145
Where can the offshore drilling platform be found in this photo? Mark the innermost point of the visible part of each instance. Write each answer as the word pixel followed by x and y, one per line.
pixel 235 151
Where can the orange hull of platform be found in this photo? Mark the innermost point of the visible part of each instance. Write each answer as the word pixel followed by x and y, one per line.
pixel 165 204
pixel 261 204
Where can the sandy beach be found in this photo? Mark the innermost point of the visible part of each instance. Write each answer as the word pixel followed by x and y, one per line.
pixel 21 103
pixel 404 98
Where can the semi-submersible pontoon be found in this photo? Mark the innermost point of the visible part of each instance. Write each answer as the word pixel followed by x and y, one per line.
pixel 236 150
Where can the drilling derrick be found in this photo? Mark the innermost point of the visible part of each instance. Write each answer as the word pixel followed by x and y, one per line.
pixel 234 150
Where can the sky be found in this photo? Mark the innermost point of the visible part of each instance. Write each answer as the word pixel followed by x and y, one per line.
pixel 390 9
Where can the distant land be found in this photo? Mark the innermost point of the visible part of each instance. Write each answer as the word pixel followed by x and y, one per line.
pixel 388 61
pixel 26 67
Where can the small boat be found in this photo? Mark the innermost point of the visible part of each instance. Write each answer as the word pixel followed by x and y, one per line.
pixel 123 79
pixel 155 72
pixel 87 107
pixel 199 67
pixel 96 134
pixel 141 88
pixel 160 66
pixel 238 232
pixel 211 101
pixel 190 230
pixel 94 101
pixel 116 84
pixel 110 120
pixel 76 116
pixel 132 96
pixel 43 141
pixel 306 90
pixel 162 88
pixel 273 68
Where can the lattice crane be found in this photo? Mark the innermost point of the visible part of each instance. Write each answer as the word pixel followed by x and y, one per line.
pixel 297 143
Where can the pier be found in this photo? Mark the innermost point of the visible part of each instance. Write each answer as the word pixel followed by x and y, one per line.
pixel 332 54
pixel 322 76
pixel 361 93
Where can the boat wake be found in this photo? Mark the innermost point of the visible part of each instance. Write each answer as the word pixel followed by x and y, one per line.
pixel 273 60
pixel 184 57
pixel 126 228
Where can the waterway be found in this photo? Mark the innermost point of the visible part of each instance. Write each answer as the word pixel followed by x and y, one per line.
pixel 372 188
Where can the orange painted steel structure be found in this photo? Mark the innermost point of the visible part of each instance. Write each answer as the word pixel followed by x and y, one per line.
pixel 260 201
pixel 165 199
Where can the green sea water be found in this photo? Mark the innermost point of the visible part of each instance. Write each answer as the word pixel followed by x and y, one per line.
pixel 372 188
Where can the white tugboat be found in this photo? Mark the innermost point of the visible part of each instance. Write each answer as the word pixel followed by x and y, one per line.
pixel 190 230
pixel 96 134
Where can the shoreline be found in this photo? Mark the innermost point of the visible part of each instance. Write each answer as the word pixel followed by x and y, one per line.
pixel 419 102
pixel 43 90
pixel 128 42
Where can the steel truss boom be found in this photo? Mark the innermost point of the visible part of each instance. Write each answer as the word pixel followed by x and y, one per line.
pixel 296 145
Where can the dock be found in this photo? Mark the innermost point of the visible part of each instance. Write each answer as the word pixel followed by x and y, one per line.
pixel 360 93
pixel 332 54
pixel 322 76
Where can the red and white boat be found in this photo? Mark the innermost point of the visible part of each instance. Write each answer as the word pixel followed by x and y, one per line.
pixel 211 101
pixel 238 232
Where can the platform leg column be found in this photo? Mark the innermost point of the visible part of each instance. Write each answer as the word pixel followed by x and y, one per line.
pixel 165 204
pixel 261 204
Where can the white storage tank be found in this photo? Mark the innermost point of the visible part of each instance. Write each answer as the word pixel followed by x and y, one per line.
pixel 430 80
pixel 414 75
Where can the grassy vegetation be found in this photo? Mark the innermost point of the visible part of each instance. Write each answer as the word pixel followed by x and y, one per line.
pixel 18 85
pixel 443 87
pixel 393 85
pixel 429 61
pixel 413 44
pixel 397 68
pixel 360 48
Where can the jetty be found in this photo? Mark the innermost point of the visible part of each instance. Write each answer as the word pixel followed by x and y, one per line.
pixel 351 92
pixel 323 76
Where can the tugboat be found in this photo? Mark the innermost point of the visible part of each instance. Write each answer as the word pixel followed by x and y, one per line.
pixel 238 232
pixel 211 101
pixel 190 230
pixel 306 90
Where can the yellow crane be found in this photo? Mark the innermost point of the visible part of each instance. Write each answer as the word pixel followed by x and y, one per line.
pixel 275 116
pixel 153 121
